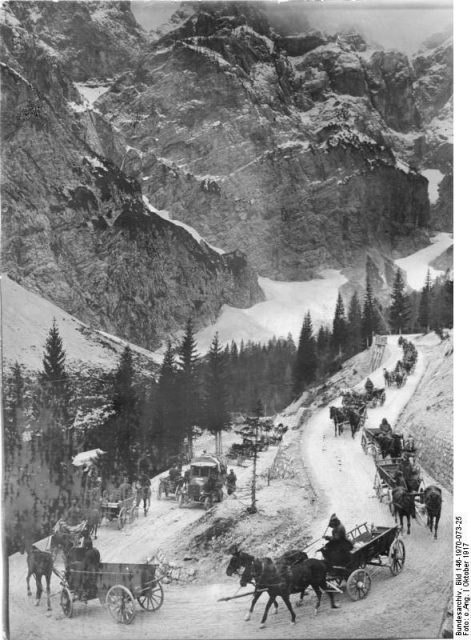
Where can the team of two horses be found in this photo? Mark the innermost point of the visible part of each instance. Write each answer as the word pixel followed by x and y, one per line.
pixel 404 506
pixel 291 573
pixel 343 415
pixel 40 563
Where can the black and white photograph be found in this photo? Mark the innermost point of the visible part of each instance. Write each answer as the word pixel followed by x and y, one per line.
pixel 227 321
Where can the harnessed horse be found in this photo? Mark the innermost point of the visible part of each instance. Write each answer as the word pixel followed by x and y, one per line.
pixel 339 416
pixel 432 498
pixel 280 579
pixel 40 564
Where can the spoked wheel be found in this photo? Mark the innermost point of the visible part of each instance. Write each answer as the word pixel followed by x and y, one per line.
pixel 397 556
pixel 120 604
pixel 153 597
pixel 67 602
pixel 358 584
pixel 122 518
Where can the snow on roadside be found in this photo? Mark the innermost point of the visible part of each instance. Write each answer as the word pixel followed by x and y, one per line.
pixel 417 264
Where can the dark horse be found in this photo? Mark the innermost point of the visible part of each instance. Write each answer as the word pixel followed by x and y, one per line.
pixel 93 521
pixel 39 564
pixel 403 505
pixel 355 418
pixel 280 579
pixel 432 498
pixel 339 416
pixel 240 559
pixel 390 445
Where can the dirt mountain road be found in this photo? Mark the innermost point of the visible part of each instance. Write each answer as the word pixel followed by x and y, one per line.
pixel 409 605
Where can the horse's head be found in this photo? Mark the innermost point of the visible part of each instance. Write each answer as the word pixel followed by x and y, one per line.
pixel 433 498
pixel 239 559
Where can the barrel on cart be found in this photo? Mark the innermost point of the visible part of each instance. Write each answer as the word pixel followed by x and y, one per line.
pixel 372 546
pixel 118 586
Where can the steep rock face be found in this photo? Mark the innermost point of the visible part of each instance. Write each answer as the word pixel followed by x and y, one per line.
pixel 229 139
pixel 390 82
pixel 76 231
pixel 433 89
pixel 92 39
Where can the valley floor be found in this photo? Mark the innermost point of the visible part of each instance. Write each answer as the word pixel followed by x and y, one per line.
pixel 409 605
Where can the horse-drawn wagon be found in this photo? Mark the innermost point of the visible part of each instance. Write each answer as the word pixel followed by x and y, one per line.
pixel 118 586
pixel 169 486
pixel 123 511
pixel 374 546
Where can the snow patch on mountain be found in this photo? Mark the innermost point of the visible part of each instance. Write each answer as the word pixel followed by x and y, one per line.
pixel 166 215
pixel 417 264
pixel 91 92
pixel 27 319
pixel 281 312
pixel 434 177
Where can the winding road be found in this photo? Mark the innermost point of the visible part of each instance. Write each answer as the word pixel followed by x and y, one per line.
pixel 409 605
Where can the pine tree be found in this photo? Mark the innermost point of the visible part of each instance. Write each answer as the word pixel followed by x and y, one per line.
pixel 370 315
pixel 425 307
pixel 399 312
pixel 188 385
pixel 56 398
pixel 304 369
pixel 216 395
pixel 121 432
pixel 355 323
pixel 339 327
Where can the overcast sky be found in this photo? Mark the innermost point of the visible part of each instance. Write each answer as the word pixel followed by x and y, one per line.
pixel 391 23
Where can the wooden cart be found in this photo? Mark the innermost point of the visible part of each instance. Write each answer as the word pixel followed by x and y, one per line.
pixel 123 511
pixel 117 586
pixel 379 547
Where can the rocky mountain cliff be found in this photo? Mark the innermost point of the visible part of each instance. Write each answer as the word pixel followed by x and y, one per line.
pixel 302 150
pixel 76 229
pixel 274 144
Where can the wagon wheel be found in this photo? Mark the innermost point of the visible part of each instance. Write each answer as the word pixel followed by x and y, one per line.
pixel 152 598
pixel 397 556
pixel 120 603
pixel 122 518
pixel 67 602
pixel 358 584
